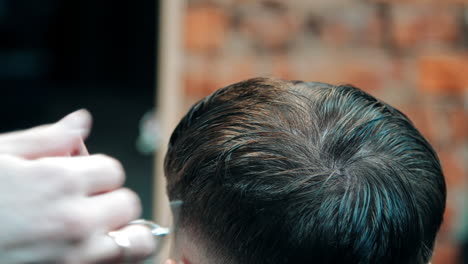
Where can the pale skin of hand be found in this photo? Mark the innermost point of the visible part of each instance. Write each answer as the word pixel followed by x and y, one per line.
pixel 57 207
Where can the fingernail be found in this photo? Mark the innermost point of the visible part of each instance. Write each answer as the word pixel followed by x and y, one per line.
pixel 79 120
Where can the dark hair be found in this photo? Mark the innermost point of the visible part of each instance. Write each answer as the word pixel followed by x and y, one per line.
pixel 274 171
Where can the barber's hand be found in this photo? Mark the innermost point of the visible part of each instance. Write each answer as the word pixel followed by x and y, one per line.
pixel 56 207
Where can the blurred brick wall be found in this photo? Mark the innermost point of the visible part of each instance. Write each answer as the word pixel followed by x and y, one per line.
pixel 412 54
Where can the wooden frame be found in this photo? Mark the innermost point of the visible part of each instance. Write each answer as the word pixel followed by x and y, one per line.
pixel 169 101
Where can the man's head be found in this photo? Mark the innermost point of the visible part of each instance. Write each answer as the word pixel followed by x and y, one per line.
pixel 274 171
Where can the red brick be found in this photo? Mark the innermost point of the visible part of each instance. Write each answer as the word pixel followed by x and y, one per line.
pixel 458 119
pixel 205 74
pixel 436 2
pixel 269 29
pixel 398 70
pixel 367 70
pixel 421 119
pixel 452 167
pixel 444 74
pixel 197 87
pixel 231 69
pixel 442 126
pixel 374 30
pixel 354 26
pixel 424 25
pixel 282 67
pixel 449 221
pixel 320 5
pixel 205 28
pixel 446 252
pixel 197 76
pixel 363 76
pixel 336 34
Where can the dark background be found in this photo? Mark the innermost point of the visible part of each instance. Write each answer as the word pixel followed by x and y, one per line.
pixel 58 56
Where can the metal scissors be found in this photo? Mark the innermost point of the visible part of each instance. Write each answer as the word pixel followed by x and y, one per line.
pixel 159 232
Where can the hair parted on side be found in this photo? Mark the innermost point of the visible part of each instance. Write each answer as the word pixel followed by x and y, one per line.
pixel 274 171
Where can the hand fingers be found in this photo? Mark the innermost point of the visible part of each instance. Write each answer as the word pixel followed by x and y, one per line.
pixel 98 248
pixel 103 248
pixel 115 209
pixel 79 218
pixel 45 252
pixel 59 139
pixel 88 174
pixel 81 150
pixel 80 120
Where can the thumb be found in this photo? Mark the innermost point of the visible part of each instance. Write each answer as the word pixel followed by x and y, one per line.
pixel 58 139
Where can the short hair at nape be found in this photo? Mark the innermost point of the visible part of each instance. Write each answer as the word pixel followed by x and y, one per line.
pixel 274 171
